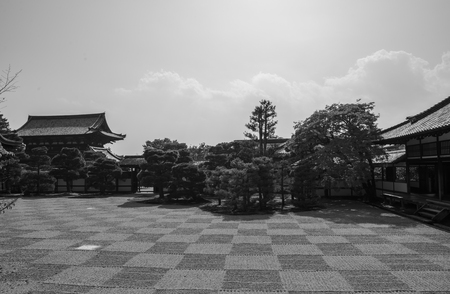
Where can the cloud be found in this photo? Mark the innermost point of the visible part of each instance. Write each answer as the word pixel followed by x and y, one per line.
pixel 399 83
pixel 438 78
pixel 165 104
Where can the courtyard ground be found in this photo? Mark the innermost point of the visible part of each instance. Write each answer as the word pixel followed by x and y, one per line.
pixel 119 245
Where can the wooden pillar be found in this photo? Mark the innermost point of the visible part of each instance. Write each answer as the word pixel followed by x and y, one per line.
pixel 440 173
pixel 408 183
pixel 440 170
pixel 394 171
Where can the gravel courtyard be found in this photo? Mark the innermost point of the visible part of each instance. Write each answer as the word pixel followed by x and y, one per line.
pixel 116 245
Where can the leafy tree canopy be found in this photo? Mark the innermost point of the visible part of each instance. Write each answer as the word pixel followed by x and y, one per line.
pixel 31 181
pixel 336 145
pixel 224 153
pixel 188 178
pixel 158 167
pixel 198 153
pixel 261 174
pixel 39 159
pixel 69 165
pixel 165 144
pixel 102 173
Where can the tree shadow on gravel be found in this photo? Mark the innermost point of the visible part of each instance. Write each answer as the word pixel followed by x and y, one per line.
pixel 153 201
pixel 356 212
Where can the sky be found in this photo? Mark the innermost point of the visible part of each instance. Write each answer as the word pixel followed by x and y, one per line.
pixel 194 70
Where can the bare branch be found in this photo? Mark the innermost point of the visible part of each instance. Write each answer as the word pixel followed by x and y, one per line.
pixel 8 82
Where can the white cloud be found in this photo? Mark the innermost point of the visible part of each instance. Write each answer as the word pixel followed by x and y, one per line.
pixel 438 78
pixel 399 83
pixel 165 104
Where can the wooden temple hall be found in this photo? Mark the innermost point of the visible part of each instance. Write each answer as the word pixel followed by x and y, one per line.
pixel 418 166
pixel 87 132
pixel 58 131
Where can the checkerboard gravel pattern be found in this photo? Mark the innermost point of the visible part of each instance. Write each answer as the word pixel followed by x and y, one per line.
pixel 116 245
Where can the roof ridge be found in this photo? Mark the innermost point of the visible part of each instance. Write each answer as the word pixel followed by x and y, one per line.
pixel 67 115
pixel 98 122
pixel 430 110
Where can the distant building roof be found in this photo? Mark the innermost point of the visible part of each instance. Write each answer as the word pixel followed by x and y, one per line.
pixel 392 156
pixel 67 125
pixel 434 120
pixel 107 152
pixel 132 161
pixel 269 141
pixel 9 142
pixel 10 145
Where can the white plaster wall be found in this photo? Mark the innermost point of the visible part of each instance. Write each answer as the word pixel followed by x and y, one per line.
pixel 428 140
pixel 78 182
pixel 124 182
pixel 401 187
pixel 413 142
pixel 444 137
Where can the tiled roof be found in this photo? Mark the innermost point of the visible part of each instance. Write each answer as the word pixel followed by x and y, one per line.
pixel 66 125
pixel 107 152
pixel 432 120
pixel 9 142
pixel 392 156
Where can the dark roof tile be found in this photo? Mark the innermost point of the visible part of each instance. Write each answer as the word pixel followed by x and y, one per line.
pixel 66 125
pixel 434 119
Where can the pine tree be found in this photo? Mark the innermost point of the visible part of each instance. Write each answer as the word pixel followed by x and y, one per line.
pixel 68 165
pixel 158 168
pixel 38 161
pixel 102 173
pixel 262 122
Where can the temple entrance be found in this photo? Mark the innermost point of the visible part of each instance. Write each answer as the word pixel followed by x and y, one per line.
pixel 428 179
pixel 423 180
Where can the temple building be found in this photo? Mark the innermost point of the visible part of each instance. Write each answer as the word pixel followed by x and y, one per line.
pixel 420 167
pixel 81 131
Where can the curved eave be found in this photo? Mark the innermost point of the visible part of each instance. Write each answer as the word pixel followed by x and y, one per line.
pixel 10 142
pixel 112 136
pixel 108 153
pixel 100 121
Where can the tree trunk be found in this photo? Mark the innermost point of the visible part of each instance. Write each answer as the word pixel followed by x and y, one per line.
pixel 265 135
pixel 103 186
pixel 282 187
pixel 261 201
pixel 260 129
pixel 8 185
pixel 246 196
pixel 38 180
pixel 371 188
pixel 161 192
pixel 68 185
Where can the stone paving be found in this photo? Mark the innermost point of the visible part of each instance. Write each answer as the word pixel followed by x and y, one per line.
pixel 116 245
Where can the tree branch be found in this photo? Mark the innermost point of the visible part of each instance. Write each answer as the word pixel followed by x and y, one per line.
pixel 8 82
